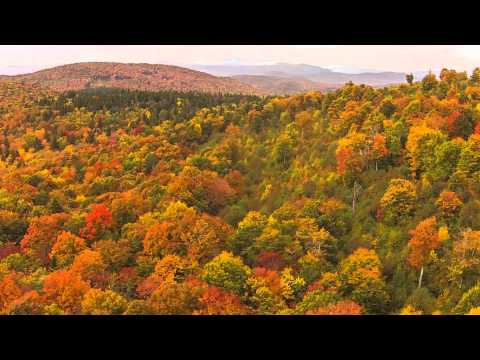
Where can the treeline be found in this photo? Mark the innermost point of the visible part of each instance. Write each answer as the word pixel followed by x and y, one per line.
pixel 162 104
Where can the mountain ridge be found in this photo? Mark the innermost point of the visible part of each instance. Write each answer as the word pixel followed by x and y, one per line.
pixel 308 72
pixel 277 85
pixel 136 76
pixel 276 79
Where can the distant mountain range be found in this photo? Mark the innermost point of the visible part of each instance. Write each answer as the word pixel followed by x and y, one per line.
pixel 279 69
pixel 276 79
pixel 306 72
pixel 277 85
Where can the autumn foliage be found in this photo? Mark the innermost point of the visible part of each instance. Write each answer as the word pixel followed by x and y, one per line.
pixel 99 220
pixel 424 238
pixel 65 289
pixel 360 200
pixel 346 307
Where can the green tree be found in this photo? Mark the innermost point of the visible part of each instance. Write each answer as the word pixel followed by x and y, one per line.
pixel 409 78
pixel 227 272
pixel 429 82
pixel 283 152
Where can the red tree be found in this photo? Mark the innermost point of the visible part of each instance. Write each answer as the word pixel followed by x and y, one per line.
pixel 41 235
pixel 99 220
pixel 270 260
pixel 215 301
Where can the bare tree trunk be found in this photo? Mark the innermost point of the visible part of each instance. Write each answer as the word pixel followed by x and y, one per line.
pixel 420 278
pixel 376 165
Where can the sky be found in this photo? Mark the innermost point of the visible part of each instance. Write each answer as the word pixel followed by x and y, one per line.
pixel 403 58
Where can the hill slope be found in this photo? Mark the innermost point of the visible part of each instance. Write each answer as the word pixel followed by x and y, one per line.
pixel 283 85
pixel 132 76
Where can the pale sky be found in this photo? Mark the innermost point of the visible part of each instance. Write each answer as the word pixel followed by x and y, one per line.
pixel 404 58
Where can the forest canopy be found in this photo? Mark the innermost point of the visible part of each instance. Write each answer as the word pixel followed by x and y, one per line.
pixel 361 200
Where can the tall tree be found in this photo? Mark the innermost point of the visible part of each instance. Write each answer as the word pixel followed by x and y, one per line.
pixel 424 239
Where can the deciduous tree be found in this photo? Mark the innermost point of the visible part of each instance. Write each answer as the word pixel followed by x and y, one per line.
pixel 424 239
pixel 66 289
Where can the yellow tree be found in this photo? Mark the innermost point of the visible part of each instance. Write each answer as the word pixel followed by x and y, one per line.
pixel 352 156
pixel 66 247
pixel 421 146
pixel 449 204
pixel 185 232
pixel 399 200
pixel 227 271
pixel 361 280
pixel 100 302
pixel 304 120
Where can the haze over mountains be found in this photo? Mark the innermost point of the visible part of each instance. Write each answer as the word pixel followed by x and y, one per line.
pixel 312 73
pixel 278 85
pixel 275 79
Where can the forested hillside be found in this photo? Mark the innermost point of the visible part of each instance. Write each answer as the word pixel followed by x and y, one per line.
pixel 358 201
pixel 276 85
pixel 151 77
